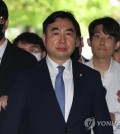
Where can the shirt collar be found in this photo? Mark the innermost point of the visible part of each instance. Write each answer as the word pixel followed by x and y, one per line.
pixel 53 65
pixel 110 69
pixel 108 75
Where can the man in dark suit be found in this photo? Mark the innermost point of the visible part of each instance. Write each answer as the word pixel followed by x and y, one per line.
pixel 12 60
pixel 34 101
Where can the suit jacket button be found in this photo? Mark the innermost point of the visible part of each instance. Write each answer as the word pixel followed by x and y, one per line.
pixel 67 129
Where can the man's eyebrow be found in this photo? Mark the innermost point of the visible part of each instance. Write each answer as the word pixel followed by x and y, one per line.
pixel 96 32
pixel 69 29
pixel 54 28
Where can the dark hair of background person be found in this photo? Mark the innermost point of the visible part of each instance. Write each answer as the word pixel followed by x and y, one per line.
pixel 110 26
pixel 29 37
pixel 3 10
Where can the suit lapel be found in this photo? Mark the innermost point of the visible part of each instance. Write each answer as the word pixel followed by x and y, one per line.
pixel 78 76
pixel 50 93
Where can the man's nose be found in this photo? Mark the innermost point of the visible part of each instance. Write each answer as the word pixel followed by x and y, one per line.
pixel 62 38
pixel 102 40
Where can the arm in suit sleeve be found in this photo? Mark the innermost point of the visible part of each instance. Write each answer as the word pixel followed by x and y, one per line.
pixel 102 116
pixel 15 109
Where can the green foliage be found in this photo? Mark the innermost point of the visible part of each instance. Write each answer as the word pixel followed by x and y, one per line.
pixel 27 14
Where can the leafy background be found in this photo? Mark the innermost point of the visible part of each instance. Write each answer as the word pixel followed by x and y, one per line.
pixel 28 15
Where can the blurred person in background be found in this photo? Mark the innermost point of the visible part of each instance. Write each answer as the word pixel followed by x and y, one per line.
pixel 76 55
pixel 81 59
pixel 104 36
pixel 12 60
pixel 116 54
pixel 32 43
pixel 118 94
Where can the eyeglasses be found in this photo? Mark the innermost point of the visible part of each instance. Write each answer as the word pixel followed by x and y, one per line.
pixel 34 50
pixel 2 20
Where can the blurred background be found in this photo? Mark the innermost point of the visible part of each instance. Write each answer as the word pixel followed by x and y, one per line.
pixel 28 15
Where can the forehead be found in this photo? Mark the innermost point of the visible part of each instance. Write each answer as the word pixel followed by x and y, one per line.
pixel 29 45
pixel 62 23
pixel 99 28
pixel 24 44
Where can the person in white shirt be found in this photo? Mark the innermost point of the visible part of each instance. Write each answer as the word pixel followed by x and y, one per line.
pixel 116 54
pixel 104 35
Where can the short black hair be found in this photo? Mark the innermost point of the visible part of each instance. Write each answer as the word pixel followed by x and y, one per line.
pixel 3 10
pixel 29 37
pixel 61 14
pixel 110 26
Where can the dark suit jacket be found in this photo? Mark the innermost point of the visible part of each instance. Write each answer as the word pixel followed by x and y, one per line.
pixel 14 59
pixel 33 101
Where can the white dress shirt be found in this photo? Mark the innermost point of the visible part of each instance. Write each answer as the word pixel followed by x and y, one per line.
pixel 2 49
pixel 111 82
pixel 68 81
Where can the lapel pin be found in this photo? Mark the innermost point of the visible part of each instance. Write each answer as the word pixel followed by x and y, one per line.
pixel 80 75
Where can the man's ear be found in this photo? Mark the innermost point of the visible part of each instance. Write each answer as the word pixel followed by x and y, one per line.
pixel 77 44
pixel 43 38
pixel 89 42
pixel 82 42
pixel 117 45
pixel 43 54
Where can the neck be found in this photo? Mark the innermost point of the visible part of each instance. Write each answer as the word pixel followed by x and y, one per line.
pixel 101 65
pixel 58 60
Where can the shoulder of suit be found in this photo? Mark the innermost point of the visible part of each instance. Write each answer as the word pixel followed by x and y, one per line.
pixel 86 69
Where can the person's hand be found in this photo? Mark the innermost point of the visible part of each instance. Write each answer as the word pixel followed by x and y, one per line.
pixel 3 102
pixel 118 94
pixel 112 116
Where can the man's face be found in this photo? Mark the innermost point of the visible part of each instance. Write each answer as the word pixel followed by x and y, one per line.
pixel 60 40
pixel 102 44
pixel 29 47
